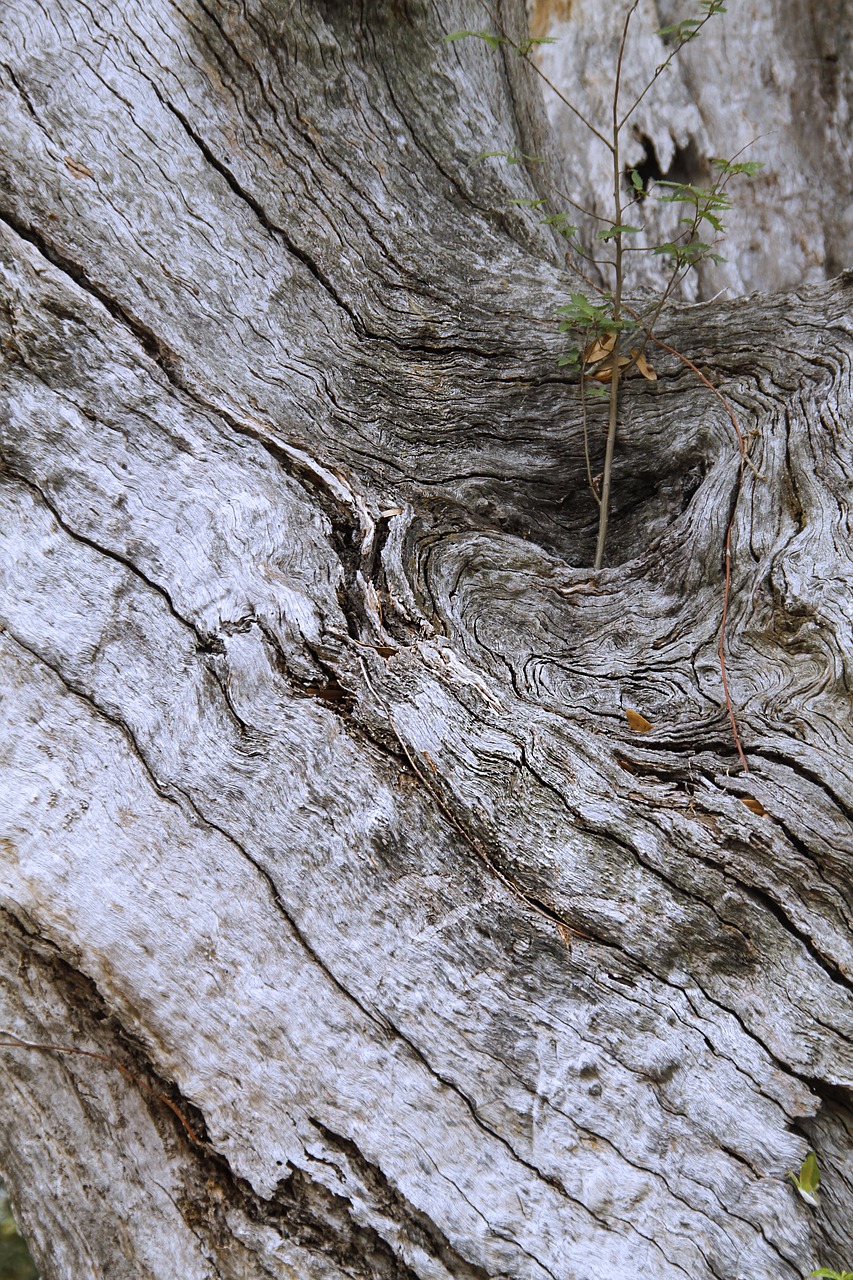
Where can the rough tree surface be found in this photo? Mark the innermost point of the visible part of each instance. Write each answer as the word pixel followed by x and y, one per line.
pixel 771 81
pixel 321 814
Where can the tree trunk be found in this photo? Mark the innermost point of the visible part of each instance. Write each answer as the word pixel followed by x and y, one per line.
pixel 384 945
pixel 771 81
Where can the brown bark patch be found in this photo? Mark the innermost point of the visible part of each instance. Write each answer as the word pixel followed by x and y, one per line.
pixel 544 13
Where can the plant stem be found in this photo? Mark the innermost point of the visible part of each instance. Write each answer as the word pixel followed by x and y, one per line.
pixel 604 506
pixel 589 478
pixel 507 38
pixel 663 66
pixel 745 460
pixel 721 648
pixel 17 1043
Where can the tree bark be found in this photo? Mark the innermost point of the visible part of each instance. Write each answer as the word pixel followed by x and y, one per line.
pixel 385 947
pixel 770 81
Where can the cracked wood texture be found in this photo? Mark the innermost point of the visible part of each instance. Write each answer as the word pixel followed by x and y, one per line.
pixel 771 81
pixel 321 815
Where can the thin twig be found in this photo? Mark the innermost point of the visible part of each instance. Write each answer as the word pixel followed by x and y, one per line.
pixel 586 437
pixel 532 62
pixel 663 66
pixel 612 422
pixel 617 124
pixel 721 648
pixel 741 440
pixel 616 311
pixel 589 213
pixel 744 460
pixel 18 1043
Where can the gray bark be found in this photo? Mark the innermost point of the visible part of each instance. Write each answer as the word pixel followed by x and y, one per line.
pixel 321 812
pixel 772 81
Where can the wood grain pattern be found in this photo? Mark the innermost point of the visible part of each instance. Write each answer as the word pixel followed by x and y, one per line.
pixel 321 811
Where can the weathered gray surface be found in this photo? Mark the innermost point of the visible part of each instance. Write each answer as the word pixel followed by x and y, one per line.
pixel 772 76
pixel 280 398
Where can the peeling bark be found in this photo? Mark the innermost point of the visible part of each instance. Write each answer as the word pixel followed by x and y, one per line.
pixel 321 813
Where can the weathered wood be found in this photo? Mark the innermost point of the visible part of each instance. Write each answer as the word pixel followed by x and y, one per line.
pixel 321 812
pixel 769 81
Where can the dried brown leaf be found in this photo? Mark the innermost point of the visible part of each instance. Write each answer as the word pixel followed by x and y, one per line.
pixel 599 348
pixel 643 365
pixel 77 168
pixel 604 372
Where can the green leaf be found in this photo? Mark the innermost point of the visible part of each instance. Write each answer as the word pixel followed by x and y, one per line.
pixel 560 222
pixel 490 39
pixel 637 181
pixel 526 45
pixel 623 230
pixel 593 320
pixel 747 167
pixel 682 191
pixel 832 1275
pixel 808 1180
pixel 572 358
pixel 682 31
pixel 489 155
pixel 809 1173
